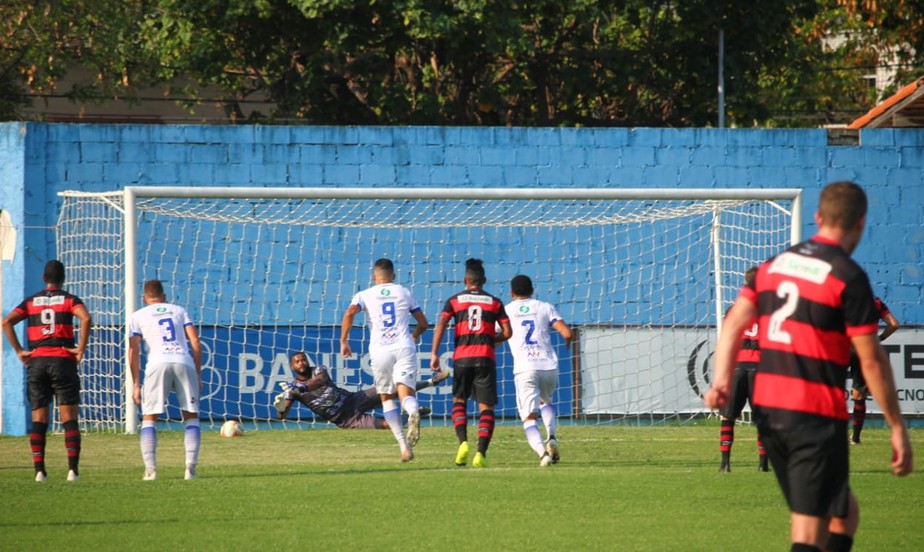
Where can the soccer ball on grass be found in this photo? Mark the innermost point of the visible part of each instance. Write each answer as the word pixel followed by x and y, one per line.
pixel 232 428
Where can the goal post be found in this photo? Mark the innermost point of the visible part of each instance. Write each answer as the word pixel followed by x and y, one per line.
pixel 644 276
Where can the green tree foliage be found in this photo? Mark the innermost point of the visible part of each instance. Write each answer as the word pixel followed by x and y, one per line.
pixel 464 62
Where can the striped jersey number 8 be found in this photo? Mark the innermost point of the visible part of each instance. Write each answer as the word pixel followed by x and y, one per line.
pixel 790 292
pixel 474 318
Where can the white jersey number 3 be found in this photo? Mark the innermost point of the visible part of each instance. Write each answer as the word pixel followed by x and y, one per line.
pixel 790 292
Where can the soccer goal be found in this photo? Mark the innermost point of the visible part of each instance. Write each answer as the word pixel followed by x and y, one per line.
pixel 643 276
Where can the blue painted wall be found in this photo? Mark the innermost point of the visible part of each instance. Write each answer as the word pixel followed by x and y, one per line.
pixel 40 160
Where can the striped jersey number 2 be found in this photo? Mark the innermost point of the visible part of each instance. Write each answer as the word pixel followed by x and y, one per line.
pixel 790 292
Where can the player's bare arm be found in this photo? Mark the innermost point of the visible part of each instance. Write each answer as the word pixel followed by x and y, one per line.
pixel 437 339
pixel 562 328
pixel 345 325
pixel 86 323
pixel 891 326
pixel 877 370
pixel 8 323
pixel 742 315
pixel 422 324
pixel 195 347
pixel 134 365
pixel 505 333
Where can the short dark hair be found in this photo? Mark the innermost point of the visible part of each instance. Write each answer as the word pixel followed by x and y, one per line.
pixel 750 275
pixel 299 353
pixel 386 266
pixel 474 272
pixel 842 204
pixel 154 288
pixel 54 272
pixel 521 286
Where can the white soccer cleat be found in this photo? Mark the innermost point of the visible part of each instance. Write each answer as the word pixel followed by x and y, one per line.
pixel 150 474
pixel 551 447
pixel 72 476
pixel 413 428
pixel 40 477
pixel 546 461
pixel 191 472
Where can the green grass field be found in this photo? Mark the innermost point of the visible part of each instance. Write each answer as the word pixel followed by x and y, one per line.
pixel 617 488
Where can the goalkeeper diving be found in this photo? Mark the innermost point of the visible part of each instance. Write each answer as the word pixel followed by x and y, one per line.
pixel 314 388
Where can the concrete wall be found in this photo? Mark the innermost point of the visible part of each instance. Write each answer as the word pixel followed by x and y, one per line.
pixel 40 160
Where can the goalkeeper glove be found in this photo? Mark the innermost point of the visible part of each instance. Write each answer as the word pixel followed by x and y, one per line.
pixel 294 389
pixel 280 402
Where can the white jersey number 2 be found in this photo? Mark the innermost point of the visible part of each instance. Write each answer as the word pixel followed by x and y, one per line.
pixel 790 292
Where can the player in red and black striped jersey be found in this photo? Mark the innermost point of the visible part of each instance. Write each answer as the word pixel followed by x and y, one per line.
pixel 742 391
pixel 859 390
pixel 812 302
pixel 475 314
pixel 51 362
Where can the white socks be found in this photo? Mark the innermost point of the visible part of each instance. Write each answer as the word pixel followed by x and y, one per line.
pixel 533 437
pixel 410 404
pixel 192 438
pixel 392 413
pixel 149 444
pixel 548 418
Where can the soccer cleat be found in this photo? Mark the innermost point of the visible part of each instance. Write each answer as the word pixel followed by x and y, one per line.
pixel 725 467
pixel 413 428
pixel 407 455
pixel 551 447
pixel 191 472
pixel 855 440
pixel 72 476
pixel 424 411
pixel 40 477
pixel 150 474
pixel 546 461
pixel 480 461
pixel 763 467
pixel 462 454
pixel 440 377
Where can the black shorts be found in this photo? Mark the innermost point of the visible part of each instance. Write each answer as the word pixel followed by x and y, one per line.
pixel 48 377
pixel 856 374
pixel 475 378
pixel 811 465
pixel 355 407
pixel 742 389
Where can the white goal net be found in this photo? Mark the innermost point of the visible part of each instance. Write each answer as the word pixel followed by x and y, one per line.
pixel 643 276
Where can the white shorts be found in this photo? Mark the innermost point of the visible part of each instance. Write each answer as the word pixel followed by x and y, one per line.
pixel 392 367
pixel 534 386
pixel 161 379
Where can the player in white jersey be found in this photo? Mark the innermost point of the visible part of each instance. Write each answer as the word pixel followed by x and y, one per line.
pixel 174 363
pixel 535 364
pixel 392 348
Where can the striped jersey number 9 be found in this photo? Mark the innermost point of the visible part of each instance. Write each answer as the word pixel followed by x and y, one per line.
pixel 48 319
pixel 169 330
pixel 790 292
pixel 474 318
